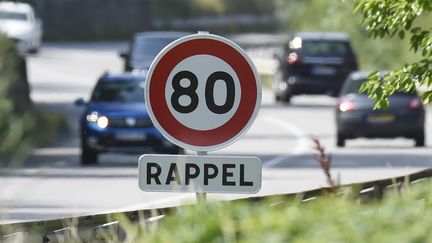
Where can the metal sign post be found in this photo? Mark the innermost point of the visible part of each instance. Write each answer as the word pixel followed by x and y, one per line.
pixel 201 197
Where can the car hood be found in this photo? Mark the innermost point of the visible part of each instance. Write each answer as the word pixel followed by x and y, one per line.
pixel 14 29
pixel 118 109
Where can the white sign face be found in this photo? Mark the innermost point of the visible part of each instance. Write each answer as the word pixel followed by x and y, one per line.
pixel 183 173
pixel 202 92
pixel 223 93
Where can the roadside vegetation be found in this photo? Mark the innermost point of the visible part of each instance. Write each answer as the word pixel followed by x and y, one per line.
pixel 22 126
pixel 410 21
pixel 401 216
pixel 400 213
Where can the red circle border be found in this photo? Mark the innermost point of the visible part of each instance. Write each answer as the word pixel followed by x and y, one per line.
pixel 238 121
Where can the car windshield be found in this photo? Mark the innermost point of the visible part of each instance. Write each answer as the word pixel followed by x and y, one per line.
pixel 13 15
pixel 146 49
pixel 119 91
pixel 353 86
pixel 325 48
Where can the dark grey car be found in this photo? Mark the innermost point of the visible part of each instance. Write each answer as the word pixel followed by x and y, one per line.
pixel 314 63
pixel 355 116
pixel 145 46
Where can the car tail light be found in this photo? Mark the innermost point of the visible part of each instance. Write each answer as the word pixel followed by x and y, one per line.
pixel 293 58
pixel 345 104
pixel 415 103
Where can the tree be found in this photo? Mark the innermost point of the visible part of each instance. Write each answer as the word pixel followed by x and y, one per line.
pixel 391 18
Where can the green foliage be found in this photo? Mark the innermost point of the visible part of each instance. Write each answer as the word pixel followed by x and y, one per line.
pixel 402 18
pixel 21 126
pixel 13 124
pixel 400 217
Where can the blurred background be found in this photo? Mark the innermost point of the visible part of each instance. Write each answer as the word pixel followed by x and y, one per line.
pixel 102 20
pixel 47 85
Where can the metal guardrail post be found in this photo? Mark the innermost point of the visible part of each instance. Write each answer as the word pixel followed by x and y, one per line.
pixel 378 191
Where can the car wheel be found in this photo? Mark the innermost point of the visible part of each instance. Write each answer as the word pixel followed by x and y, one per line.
pixel 420 139
pixel 88 156
pixel 287 98
pixel 276 85
pixel 34 50
pixel 340 140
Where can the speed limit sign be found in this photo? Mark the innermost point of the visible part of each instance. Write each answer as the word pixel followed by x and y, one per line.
pixel 202 92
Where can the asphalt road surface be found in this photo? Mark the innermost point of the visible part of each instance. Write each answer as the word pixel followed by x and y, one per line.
pixel 52 184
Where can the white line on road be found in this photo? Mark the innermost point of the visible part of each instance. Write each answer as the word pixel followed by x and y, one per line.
pixel 165 202
pixel 301 137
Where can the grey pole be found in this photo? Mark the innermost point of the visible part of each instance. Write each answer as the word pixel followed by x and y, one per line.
pixel 201 197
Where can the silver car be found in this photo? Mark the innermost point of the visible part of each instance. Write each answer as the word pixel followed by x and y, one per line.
pixel 18 22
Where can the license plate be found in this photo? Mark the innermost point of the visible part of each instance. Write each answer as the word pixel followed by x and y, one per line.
pixel 320 70
pixel 381 118
pixel 131 136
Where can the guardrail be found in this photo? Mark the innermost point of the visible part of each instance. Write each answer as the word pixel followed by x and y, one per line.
pixel 90 228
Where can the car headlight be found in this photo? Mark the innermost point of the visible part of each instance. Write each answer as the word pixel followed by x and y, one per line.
pixel 102 122
pixel 92 117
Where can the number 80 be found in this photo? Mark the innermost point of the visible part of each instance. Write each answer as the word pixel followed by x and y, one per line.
pixel 190 91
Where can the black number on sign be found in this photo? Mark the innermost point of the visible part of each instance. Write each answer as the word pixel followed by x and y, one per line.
pixel 209 92
pixel 189 91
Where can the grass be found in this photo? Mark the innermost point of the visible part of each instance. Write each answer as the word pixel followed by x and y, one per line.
pixel 399 217
pixel 404 214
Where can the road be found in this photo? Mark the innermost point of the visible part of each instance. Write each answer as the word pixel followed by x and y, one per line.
pixel 52 184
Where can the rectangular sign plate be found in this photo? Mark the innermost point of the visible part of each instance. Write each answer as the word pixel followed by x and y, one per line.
pixel 188 173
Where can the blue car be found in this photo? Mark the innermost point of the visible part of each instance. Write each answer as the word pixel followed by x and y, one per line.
pixel 116 120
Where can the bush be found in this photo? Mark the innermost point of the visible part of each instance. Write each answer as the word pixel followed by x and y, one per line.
pixel 405 217
pixel 21 125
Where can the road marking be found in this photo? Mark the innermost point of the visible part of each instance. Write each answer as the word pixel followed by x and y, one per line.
pixel 302 140
pixel 177 200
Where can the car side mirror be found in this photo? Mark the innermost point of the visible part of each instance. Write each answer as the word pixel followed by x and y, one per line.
pixel 80 102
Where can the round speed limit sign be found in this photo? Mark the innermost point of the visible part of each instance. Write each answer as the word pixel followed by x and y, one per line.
pixel 202 92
